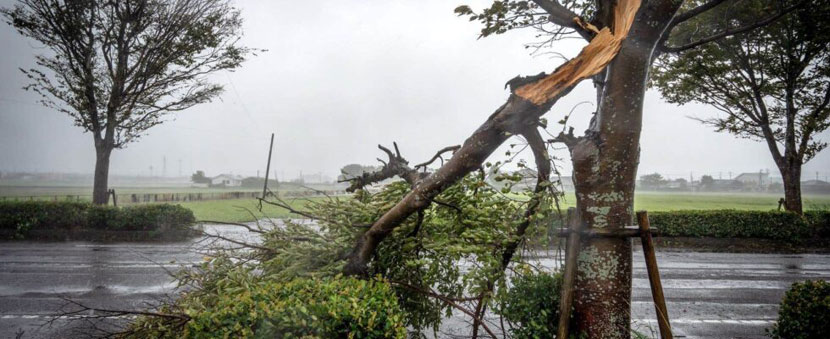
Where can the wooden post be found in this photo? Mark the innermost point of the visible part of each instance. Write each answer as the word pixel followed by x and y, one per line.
pixel 568 280
pixel 654 276
pixel 114 197
pixel 268 166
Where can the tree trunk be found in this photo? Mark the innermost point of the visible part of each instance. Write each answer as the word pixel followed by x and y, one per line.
pixel 102 169
pixel 605 164
pixel 792 188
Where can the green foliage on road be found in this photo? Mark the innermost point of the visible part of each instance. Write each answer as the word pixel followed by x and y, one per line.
pixel 533 302
pixel 19 219
pixel 804 312
pixel 453 251
pixel 238 304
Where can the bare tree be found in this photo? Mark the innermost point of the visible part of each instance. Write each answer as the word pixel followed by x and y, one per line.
pixel 623 39
pixel 771 84
pixel 118 67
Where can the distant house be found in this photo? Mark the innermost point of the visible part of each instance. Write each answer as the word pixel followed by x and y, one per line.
pixel 226 180
pixel 758 180
pixel 815 186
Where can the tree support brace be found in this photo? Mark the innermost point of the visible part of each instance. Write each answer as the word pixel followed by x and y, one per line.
pixel 575 231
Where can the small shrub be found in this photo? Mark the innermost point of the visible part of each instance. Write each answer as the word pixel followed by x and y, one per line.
pixel 338 307
pixel 804 312
pixel 532 305
pixel 159 217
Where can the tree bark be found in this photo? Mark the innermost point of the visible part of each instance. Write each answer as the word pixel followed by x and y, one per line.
pixel 605 164
pixel 101 178
pixel 792 188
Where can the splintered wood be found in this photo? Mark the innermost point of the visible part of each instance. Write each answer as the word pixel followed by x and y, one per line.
pixel 591 60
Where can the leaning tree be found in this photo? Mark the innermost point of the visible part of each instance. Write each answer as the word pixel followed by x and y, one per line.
pixel 771 84
pixel 624 37
pixel 119 67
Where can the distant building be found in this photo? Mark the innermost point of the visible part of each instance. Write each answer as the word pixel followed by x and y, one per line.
pixel 815 186
pixel 758 180
pixel 227 180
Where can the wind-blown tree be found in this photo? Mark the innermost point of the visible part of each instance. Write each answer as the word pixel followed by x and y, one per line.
pixel 415 232
pixel 119 67
pixel 770 84
pixel 624 37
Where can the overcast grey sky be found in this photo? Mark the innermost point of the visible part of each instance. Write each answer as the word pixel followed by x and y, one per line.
pixel 340 77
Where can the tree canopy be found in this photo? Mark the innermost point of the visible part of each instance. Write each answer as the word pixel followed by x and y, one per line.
pixel 771 84
pixel 117 67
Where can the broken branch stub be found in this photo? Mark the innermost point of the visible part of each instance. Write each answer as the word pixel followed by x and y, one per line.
pixel 396 166
pixel 526 104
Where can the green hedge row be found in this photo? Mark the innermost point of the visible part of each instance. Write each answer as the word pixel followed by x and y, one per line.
pixel 742 224
pixel 17 219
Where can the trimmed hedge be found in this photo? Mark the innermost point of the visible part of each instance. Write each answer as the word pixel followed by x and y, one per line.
pixel 742 224
pixel 804 312
pixel 17 219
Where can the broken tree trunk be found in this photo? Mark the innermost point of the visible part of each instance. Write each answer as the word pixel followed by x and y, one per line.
pixel 605 159
pixel 605 164
pixel 531 97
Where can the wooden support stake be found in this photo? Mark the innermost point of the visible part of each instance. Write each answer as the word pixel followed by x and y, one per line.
pixel 567 296
pixel 654 276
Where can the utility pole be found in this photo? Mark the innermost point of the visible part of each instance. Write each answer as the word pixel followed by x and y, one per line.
pixel 267 167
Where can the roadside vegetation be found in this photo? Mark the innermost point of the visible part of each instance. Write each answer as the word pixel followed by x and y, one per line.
pixel 62 220
pixel 452 257
pixel 804 312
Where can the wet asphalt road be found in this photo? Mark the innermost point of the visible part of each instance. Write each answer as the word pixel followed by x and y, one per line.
pixel 709 295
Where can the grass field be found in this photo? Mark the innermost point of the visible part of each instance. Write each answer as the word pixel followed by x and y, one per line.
pixel 234 210
pixel 239 210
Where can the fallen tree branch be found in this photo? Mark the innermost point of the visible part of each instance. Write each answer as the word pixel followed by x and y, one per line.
pixel 449 301
pixel 568 139
pixel 526 104
pixel 396 166
pixel 543 169
pixel 438 156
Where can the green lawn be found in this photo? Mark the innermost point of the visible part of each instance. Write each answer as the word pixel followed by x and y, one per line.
pixel 239 210
pixel 234 210
pixel 656 201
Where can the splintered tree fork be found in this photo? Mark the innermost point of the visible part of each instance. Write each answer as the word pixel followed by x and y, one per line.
pixel 531 97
